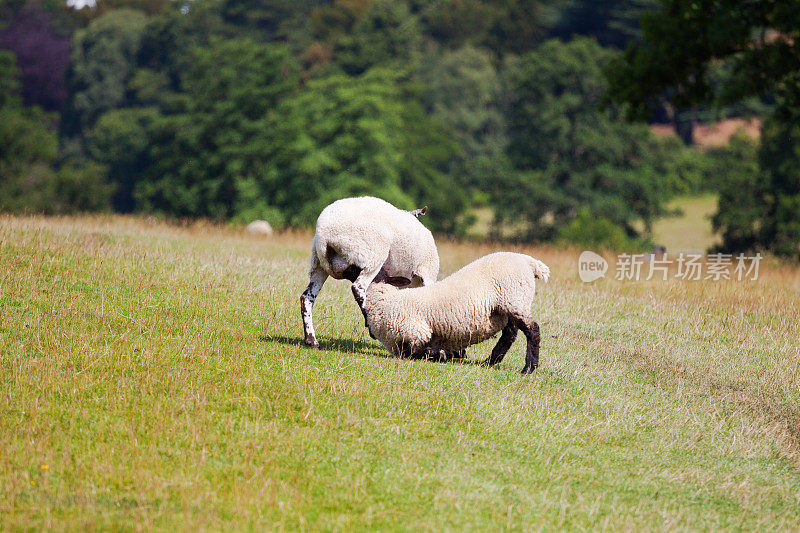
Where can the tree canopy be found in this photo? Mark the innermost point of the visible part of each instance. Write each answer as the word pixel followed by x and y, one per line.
pixel 571 155
pixel 242 109
pixel 758 44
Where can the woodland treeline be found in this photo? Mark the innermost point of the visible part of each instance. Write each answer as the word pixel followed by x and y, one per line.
pixel 535 109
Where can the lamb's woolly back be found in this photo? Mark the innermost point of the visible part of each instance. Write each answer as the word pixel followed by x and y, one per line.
pixel 490 267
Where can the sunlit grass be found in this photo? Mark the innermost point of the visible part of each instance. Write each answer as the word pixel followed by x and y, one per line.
pixel 690 231
pixel 153 377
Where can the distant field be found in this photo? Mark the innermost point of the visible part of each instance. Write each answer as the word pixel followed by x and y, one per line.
pixel 153 377
pixel 691 231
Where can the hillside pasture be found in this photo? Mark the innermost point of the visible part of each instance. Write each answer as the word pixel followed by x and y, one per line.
pixel 153 376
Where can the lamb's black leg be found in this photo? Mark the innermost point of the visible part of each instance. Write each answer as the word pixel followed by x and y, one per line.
pixel 502 346
pixel 532 353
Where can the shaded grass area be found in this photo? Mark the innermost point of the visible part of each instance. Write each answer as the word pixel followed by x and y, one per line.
pixel 153 377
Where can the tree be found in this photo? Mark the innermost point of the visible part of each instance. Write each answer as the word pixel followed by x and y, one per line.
pixel 779 159
pixel 121 140
pixel 103 62
pixel 568 154
pixel 385 33
pixel 759 45
pixel 348 136
pixel 269 20
pixel 43 55
pixel 210 147
pixel 740 190
pixel 612 23
pixel 503 26
pixel 164 55
pixel 28 149
pixel 461 89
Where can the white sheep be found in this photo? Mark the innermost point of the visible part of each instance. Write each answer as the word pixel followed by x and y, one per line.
pixel 357 238
pixel 490 294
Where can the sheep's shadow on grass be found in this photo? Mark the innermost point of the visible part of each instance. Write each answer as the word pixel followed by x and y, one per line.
pixel 360 346
pixel 347 345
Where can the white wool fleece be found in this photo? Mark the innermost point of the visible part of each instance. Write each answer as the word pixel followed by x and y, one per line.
pixel 465 308
pixel 372 233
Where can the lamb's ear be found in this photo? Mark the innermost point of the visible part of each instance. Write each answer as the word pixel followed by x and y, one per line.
pixel 419 212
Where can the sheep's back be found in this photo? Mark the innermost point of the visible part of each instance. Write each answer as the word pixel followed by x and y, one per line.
pixel 364 230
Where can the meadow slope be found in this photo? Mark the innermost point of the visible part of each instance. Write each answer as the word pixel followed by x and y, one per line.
pixel 154 377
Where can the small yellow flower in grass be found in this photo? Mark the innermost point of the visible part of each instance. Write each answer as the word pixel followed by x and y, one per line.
pixel 45 467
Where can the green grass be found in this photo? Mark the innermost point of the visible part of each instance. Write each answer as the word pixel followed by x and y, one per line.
pixel 153 377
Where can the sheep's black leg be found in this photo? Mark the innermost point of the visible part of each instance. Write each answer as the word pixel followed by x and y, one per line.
pixel 360 301
pixel 532 353
pixel 359 288
pixel 502 346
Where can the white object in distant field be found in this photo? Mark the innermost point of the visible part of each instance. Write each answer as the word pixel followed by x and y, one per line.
pixel 80 4
pixel 259 227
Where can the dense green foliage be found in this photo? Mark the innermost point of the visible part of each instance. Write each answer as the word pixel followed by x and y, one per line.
pixel 611 22
pixel 211 143
pixel 742 187
pixel 237 109
pixel 353 136
pixel 724 52
pixel 461 89
pixel 30 180
pixel 569 155
pixel 101 67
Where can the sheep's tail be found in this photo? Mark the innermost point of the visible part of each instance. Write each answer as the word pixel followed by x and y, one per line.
pixel 540 270
pixel 319 256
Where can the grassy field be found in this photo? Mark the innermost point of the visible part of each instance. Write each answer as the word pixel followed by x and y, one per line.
pixel 153 377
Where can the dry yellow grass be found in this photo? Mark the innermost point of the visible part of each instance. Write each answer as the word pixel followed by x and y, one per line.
pixel 153 377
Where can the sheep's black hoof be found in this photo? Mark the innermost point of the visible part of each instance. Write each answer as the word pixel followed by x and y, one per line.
pixel 528 369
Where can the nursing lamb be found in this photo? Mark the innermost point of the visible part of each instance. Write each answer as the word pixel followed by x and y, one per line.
pixel 491 294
